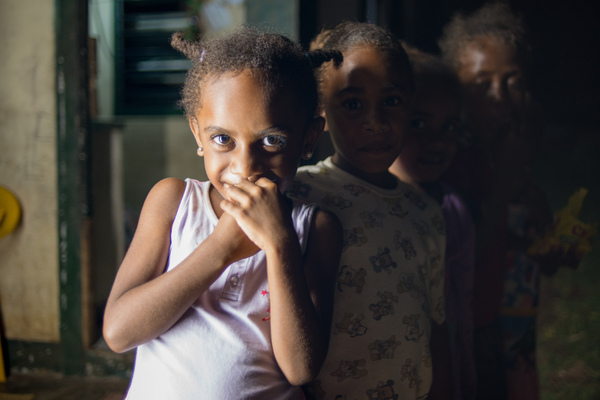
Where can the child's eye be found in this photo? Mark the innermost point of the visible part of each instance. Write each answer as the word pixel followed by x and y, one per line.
pixel 221 140
pixel 516 84
pixel 480 86
pixel 392 101
pixel 449 127
pixel 274 142
pixel 417 123
pixel 352 104
pixel 451 130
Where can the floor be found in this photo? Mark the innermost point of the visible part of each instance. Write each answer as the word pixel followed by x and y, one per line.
pixel 56 387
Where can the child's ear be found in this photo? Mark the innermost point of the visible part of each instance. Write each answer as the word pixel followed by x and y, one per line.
pixel 324 116
pixel 315 129
pixel 194 126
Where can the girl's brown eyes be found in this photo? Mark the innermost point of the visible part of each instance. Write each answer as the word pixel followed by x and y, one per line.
pixel 352 104
pixel 417 123
pixel 393 101
pixel 355 104
pixel 274 142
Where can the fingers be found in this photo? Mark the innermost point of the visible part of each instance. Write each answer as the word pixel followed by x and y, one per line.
pixel 257 209
pixel 261 182
pixel 246 198
pixel 243 192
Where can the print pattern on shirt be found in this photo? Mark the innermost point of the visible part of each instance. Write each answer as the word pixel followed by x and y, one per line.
pixel 383 391
pixel 350 369
pixel 388 288
pixel 405 244
pixel 383 261
pixel 384 306
pixel 351 326
pixel 267 294
pixel 351 278
pixel 336 202
pixel 381 349
pixel 354 237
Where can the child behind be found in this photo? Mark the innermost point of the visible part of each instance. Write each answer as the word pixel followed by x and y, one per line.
pixel 390 286
pixel 429 148
pixel 225 289
pixel 492 57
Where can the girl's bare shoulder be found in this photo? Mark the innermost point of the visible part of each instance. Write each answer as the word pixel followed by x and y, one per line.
pixel 163 199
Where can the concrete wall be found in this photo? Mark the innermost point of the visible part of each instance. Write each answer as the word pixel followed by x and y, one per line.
pixel 155 148
pixel 29 256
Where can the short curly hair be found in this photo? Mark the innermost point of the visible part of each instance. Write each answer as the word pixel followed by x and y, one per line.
pixel 493 19
pixel 274 60
pixel 350 35
pixel 426 65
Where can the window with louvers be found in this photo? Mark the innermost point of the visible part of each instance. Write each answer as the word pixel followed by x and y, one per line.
pixel 149 73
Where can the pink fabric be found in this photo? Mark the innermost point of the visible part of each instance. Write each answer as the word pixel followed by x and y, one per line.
pixel 460 265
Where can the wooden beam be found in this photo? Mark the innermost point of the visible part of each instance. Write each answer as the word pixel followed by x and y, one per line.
pixel 73 172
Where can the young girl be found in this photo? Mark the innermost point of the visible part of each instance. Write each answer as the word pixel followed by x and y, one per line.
pixel 492 57
pixel 389 291
pixel 429 148
pixel 225 289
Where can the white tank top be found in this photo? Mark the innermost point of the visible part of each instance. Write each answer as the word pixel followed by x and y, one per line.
pixel 221 347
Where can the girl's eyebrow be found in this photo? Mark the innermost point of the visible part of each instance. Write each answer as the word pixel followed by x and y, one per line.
pixel 215 129
pixel 388 88
pixel 350 90
pixel 276 129
pixel 417 113
pixel 396 86
pixel 486 73
pixel 280 129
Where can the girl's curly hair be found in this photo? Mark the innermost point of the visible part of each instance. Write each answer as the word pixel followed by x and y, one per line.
pixel 273 59
pixel 429 66
pixel 493 19
pixel 350 35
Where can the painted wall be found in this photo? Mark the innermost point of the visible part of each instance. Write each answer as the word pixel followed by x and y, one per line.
pixel 29 294
pixel 155 148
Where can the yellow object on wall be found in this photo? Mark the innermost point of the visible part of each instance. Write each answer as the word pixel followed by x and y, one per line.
pixel 10 215
pixel 10 212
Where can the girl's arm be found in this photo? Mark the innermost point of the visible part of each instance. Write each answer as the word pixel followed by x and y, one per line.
pixel 301 289
pixel 144 302
pixel 302 300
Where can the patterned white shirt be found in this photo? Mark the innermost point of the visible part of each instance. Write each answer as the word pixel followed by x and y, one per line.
pixel 390 285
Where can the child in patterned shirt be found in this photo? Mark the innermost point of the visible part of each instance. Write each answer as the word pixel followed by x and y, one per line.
pixel 389 295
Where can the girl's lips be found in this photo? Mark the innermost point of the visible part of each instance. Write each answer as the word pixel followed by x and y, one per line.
pixel 377 148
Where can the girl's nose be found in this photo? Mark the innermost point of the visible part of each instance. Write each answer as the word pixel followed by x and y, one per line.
pixel 246 165
pixel 499 93
pixel 375 122
pixel 436 139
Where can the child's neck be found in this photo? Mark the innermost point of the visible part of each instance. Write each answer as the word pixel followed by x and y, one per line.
pixel 384 180
pixel 434 190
